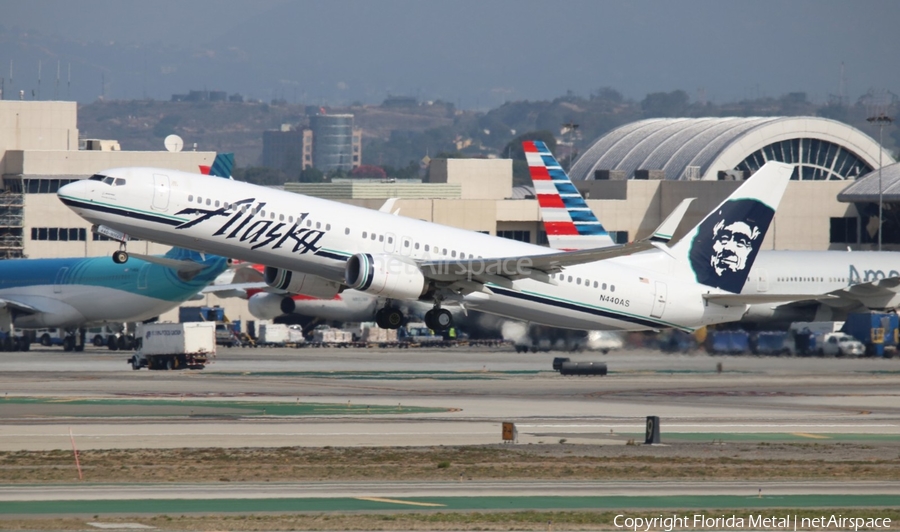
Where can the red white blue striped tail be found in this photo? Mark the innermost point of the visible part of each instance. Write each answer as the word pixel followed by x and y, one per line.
pixel 569 222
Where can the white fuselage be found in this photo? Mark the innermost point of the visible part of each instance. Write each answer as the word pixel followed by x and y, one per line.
pixel 315 236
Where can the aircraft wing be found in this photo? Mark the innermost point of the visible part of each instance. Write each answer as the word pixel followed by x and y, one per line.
pixel 881 293
pixel 872 288
pixel 18 307
pixel 186 266
pixel 237 289
pixel 503 270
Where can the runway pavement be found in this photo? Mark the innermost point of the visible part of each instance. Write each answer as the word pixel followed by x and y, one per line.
pixel 451 397
pixel 322 490
pixel 470 392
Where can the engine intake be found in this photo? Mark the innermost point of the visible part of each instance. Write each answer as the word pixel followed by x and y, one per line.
pixel 385 275
pixel 301 283
pixel 266 306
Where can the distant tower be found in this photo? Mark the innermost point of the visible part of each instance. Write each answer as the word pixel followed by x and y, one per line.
pixel 336 143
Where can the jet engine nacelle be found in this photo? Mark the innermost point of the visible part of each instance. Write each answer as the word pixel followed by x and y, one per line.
pixel 301 283
pixel 385 275
pixel 266 306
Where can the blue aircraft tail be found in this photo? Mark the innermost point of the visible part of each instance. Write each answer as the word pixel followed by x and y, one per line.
pixel 221 166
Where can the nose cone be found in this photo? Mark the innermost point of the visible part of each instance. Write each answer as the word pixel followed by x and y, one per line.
pixel 73 191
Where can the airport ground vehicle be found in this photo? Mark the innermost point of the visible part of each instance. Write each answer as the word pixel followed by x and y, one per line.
pixel 841 344
pixel 16 341
pixel 878 331
pixel 175 345
pixel 49 337
pixel 273 334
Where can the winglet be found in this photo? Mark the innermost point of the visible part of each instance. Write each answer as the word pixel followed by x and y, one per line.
pixel 388 205
pixel 569 222
pixel 666 229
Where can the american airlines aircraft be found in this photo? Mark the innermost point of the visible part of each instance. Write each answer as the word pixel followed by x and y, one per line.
pixel 318 247
pixel 247 281
pixel 827 284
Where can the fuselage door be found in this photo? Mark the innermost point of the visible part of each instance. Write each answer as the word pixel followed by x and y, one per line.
pixel 143 274
pixel 160 192
pixel 762 281
pixel 60 279
pixel 659 301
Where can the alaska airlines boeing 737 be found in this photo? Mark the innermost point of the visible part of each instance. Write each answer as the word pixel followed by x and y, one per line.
pixel 318 247
pixel 826 284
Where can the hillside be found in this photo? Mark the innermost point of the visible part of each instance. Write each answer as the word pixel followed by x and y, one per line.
pixel 237 126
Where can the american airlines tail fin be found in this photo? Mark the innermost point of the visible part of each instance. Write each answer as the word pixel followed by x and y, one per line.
pixel 569 222
pixel 721 249
pixel 221 166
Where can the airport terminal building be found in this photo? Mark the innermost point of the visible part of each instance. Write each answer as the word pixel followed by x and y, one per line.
pixel 632 177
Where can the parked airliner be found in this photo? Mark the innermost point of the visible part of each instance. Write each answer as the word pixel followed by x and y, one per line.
pixel 75 293
pixel 827 284
pixel 319 247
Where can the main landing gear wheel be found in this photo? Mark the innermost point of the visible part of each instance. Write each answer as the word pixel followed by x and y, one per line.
pixel 438 319
pixel 120 257
pixel 389 318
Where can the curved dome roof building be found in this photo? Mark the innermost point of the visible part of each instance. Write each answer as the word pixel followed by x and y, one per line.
pixel 702 148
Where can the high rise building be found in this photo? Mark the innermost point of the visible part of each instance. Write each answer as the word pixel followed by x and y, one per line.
pixel 330 143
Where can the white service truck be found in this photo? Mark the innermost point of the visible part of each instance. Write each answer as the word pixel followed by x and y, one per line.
pixel 273 334
pixel 841 344
pixel 175 345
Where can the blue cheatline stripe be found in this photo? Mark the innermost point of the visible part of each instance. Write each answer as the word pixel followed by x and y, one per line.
pixel 578 307
pixel 332 255
pixel 120 212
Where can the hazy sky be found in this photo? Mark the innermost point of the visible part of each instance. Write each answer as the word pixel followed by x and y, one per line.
pixel 475 53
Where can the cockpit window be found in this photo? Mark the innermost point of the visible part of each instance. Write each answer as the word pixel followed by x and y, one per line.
pixel 109 180
pixel 120 182
pixel 97 177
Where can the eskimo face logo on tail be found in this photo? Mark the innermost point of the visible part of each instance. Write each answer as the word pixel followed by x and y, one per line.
pixel 727 242
pixel 242 223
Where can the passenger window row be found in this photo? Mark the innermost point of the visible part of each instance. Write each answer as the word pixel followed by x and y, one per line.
pixel 584 282
pixel 258 211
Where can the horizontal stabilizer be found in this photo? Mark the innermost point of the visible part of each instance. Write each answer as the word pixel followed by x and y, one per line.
pixel 186 266
pixel 731 300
